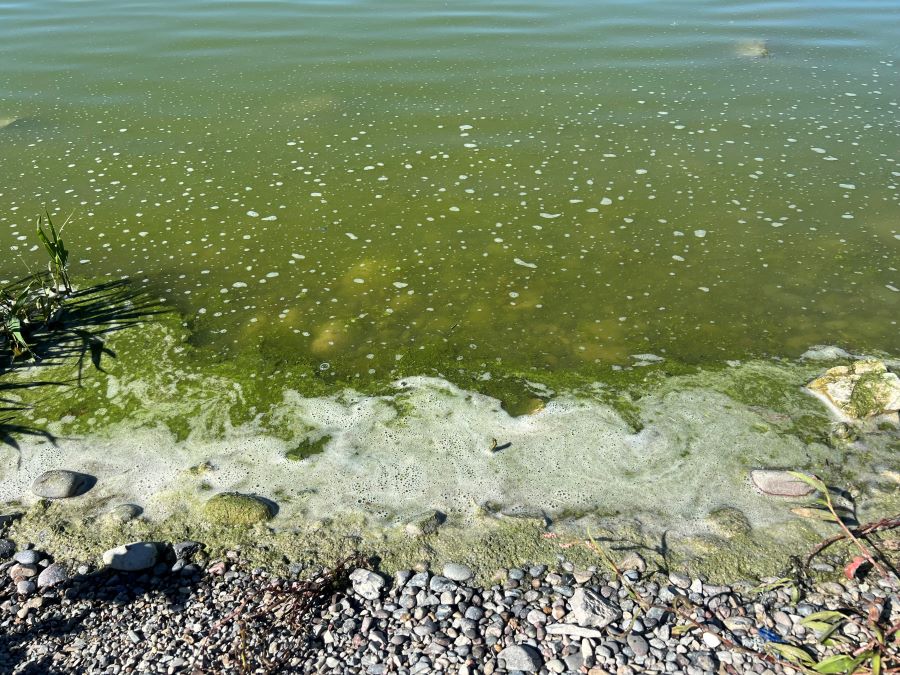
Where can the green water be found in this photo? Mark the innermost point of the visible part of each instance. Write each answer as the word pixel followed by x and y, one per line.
pixel 524 185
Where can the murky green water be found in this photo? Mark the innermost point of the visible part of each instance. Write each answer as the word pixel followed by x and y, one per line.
pixel 521 184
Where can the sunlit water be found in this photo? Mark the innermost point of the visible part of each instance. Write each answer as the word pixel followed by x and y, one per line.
pixel 548 184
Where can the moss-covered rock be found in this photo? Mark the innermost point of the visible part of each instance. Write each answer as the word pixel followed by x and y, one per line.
pixel 234 508
pixel 862 389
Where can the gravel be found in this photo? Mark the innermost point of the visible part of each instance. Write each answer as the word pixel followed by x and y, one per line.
pixel 189 613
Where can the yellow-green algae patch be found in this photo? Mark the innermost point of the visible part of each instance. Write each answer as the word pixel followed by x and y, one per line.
pixel 233 508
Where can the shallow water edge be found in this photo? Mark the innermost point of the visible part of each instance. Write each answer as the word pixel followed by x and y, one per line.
pixel 656 457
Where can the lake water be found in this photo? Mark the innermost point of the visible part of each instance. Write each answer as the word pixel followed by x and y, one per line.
pixel 495 184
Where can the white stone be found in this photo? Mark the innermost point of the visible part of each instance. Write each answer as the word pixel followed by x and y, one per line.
pixel 590 610
pixel 367 583
pixel 138 555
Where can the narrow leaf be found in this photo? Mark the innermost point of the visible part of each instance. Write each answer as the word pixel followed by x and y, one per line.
pixel 840 663
pixel 812 481
pixel 792 653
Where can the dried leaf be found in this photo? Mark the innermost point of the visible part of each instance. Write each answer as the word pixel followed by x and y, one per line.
pixel 851 569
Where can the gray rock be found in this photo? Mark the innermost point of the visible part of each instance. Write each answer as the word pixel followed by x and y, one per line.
pixel 122 513
pixel 419 580
pixel 138 555
pixel 521 657
pixel 779 483
pixel 25 587
pixel 680 580
pixel 439 584
pixel 457 572
pixel 638 645
pixel 367 583
pixel 185 549
pixel 590 610
pixel 7 548
pixel 61 484
pixel 52 575
pixel 27 557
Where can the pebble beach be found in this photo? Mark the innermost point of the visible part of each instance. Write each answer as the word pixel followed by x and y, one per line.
pixel 187 613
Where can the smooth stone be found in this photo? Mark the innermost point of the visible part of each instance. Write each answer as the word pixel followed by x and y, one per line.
pixel 712 640
pixel 25 587
pixel 590 610
pixel 638 645
pixel 521 657
pixel 779 483
pixel 234 508
pixel 122 513
pixel 138 555
pixel 52 575
pixel 61 484
pixel 457 572
pixel 19 571
pixel 27 557
pixel 367 583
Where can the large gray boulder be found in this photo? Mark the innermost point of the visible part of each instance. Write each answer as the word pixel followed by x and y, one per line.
pixel 61 484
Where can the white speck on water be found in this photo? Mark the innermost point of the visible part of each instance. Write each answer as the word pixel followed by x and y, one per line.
pixel 678 258
pixel 821 151
pixel 550 215
pixel 704 289
pixel 357 280
pixel 700 233
pixel 400 284
pixel 253 214
pixel 640 172
pixel 351 236
pixel 892 288
pixel 239 284
pixel 270 218
pixel 847 186
pixel 521 262
pixel 606 201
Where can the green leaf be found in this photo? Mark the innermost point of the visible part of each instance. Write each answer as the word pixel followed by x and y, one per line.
pixel 840 663
pixel 876 663
pixel 812 481
pixel 825 615
pixel 792 653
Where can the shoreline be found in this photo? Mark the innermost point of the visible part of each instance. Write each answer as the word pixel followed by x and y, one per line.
pixel 188 612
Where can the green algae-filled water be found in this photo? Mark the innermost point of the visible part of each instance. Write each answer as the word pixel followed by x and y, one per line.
pixel 525 185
